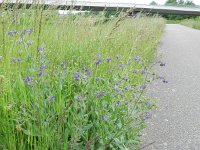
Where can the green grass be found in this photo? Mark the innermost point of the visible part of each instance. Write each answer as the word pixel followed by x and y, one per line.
pixel 192 23
pixel 173 21
pixel 67 82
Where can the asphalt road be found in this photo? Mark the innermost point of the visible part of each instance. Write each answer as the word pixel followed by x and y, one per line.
pixel 175 124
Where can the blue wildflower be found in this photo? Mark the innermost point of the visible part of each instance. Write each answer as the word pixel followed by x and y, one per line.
pixel 137 59
pixel 108 59
pixel 98 61
pixel 142 71
pixel 77 76
pixel 116 89
pixel 126 103
pixel 30 30
pixel 24 31
pixel 40 74
pixel 118 102
pixel 88 72
pixel 27 80
pixel 51 97
pixel 125 79
pixel 42 67
pixel 19 59
pixel 103 117
pixel 165 81
pixel 83 68
pixel 126 88
pixel 16 60
pixel 98 95
pixel 12 32
pixel 78 97
pixel 120 65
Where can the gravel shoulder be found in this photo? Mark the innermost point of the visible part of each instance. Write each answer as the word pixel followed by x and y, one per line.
pixel 175 124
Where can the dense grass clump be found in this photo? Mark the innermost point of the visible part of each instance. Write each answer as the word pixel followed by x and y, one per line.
pixel 73 82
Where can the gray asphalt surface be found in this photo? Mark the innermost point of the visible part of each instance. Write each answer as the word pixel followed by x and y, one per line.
pixel 175 124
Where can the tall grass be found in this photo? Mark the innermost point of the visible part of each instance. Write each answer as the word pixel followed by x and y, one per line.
pixel 73 82
pixel 192 23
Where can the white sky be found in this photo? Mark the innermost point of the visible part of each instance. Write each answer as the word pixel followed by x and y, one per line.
pixel 137 1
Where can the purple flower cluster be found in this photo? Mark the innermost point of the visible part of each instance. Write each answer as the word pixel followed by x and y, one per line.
pixel 27 80
pixel 41 70
pixel 42 67
pixel 12 32
pixel 29 31
pixel 98 62
pixel 40 74
pixel 77 76
pixel 87 71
